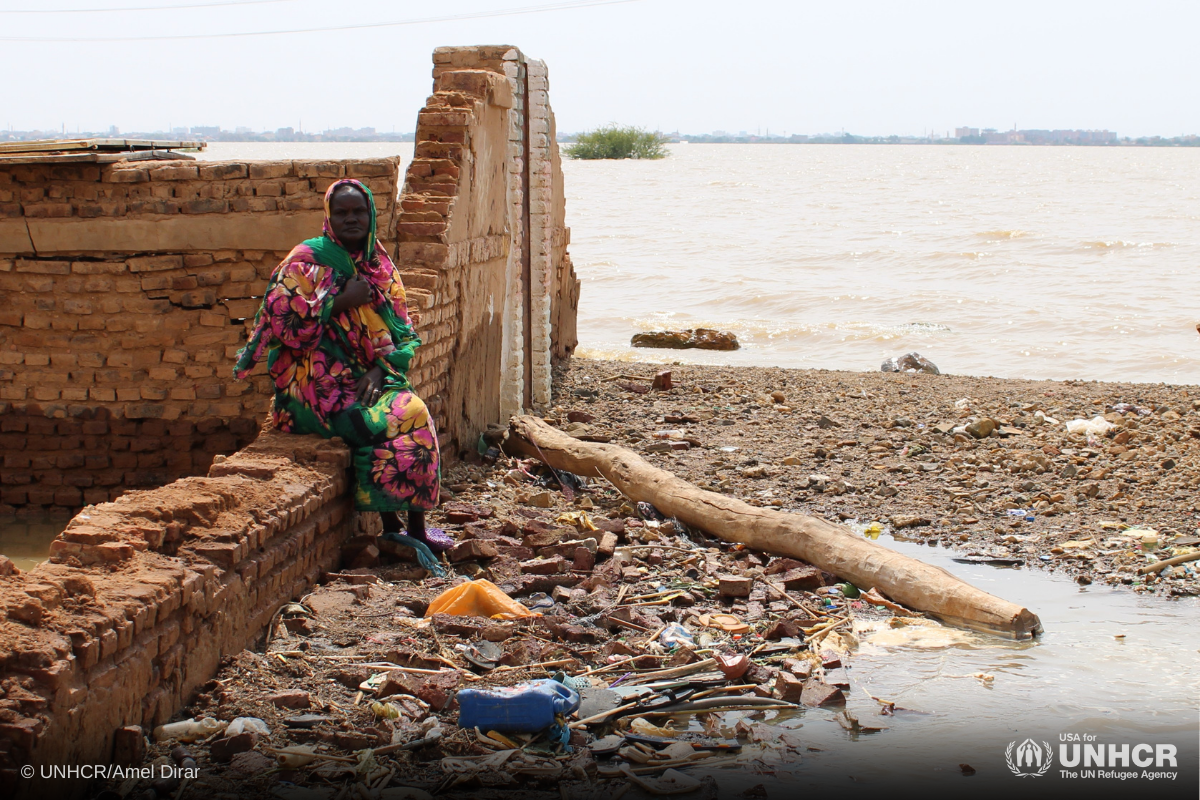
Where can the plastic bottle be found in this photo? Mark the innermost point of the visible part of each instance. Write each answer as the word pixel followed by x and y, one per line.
pixel 525 708
pixel 189 730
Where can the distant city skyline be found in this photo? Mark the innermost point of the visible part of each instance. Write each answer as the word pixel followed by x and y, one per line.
pixel 961 135
pixel 874 68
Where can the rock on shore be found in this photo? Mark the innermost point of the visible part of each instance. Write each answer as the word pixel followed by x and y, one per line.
pixel 699 338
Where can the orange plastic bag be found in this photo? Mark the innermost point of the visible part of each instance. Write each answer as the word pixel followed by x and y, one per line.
pixel 479 598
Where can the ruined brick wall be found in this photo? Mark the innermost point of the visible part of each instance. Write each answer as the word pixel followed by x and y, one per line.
pixel 148 593
pixel 127 289
pixel 129 286
pixel 494 242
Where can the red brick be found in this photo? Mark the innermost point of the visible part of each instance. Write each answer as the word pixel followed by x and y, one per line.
pixel 544 566
pixel 291 699
pixel 472 549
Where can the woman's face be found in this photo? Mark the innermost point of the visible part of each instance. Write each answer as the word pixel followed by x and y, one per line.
pixel 350 217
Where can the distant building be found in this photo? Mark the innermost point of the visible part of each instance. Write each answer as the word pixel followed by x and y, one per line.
pixel 993 136
pixel 206 130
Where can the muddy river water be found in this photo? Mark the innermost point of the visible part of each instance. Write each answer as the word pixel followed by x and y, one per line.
pixel 1112 668
pixel 26 540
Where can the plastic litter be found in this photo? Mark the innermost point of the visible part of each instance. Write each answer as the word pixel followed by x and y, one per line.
pixel 293 757
pixel 723 622
pixel 483 654
pixel 525 708
pixel 1096 426
pixel 732 665
pixel 647 511
pixel 538 601
pixel 871 530
pixel 580 520
pixel 438 540
pixel 385 710
pixel 675 635
pixel 641 726
pixel 1148 537
pixel 478 598
pixel 189 730
pixel 1125 408
pixel 247 725
pixel 578 684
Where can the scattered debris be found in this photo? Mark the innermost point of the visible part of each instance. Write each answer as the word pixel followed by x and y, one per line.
pixel 623 604
pixel 910 362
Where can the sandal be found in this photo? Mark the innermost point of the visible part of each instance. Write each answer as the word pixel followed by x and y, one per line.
pixel 438 540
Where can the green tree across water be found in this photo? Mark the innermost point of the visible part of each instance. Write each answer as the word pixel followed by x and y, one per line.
pixel 613 141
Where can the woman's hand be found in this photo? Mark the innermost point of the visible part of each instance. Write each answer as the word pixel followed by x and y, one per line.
pixel 355 293
pixel 370 387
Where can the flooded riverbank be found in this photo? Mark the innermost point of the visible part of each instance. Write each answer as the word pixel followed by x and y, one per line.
pixel 1111 665
pixel 26 539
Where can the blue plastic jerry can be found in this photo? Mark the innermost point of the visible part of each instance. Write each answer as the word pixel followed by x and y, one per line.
pixel 525 708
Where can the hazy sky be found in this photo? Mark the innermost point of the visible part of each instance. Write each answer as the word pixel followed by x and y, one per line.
pixel 690 65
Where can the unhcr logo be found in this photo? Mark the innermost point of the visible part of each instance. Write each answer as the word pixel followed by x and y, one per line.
pixel 1029 759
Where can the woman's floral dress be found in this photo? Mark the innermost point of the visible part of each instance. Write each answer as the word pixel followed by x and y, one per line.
pixel 316 359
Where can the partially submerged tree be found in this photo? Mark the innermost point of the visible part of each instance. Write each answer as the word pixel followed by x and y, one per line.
pixel 613 141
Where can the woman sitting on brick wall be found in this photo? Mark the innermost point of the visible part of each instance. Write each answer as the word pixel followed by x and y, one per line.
pixel 335 330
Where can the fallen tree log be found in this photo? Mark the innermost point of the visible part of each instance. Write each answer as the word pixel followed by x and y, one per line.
pixel 833 548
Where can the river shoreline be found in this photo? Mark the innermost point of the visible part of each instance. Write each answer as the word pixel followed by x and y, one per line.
pixel 880 447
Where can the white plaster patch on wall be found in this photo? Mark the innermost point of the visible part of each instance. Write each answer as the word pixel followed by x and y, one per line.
pixel 512 367
pixel 540 229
